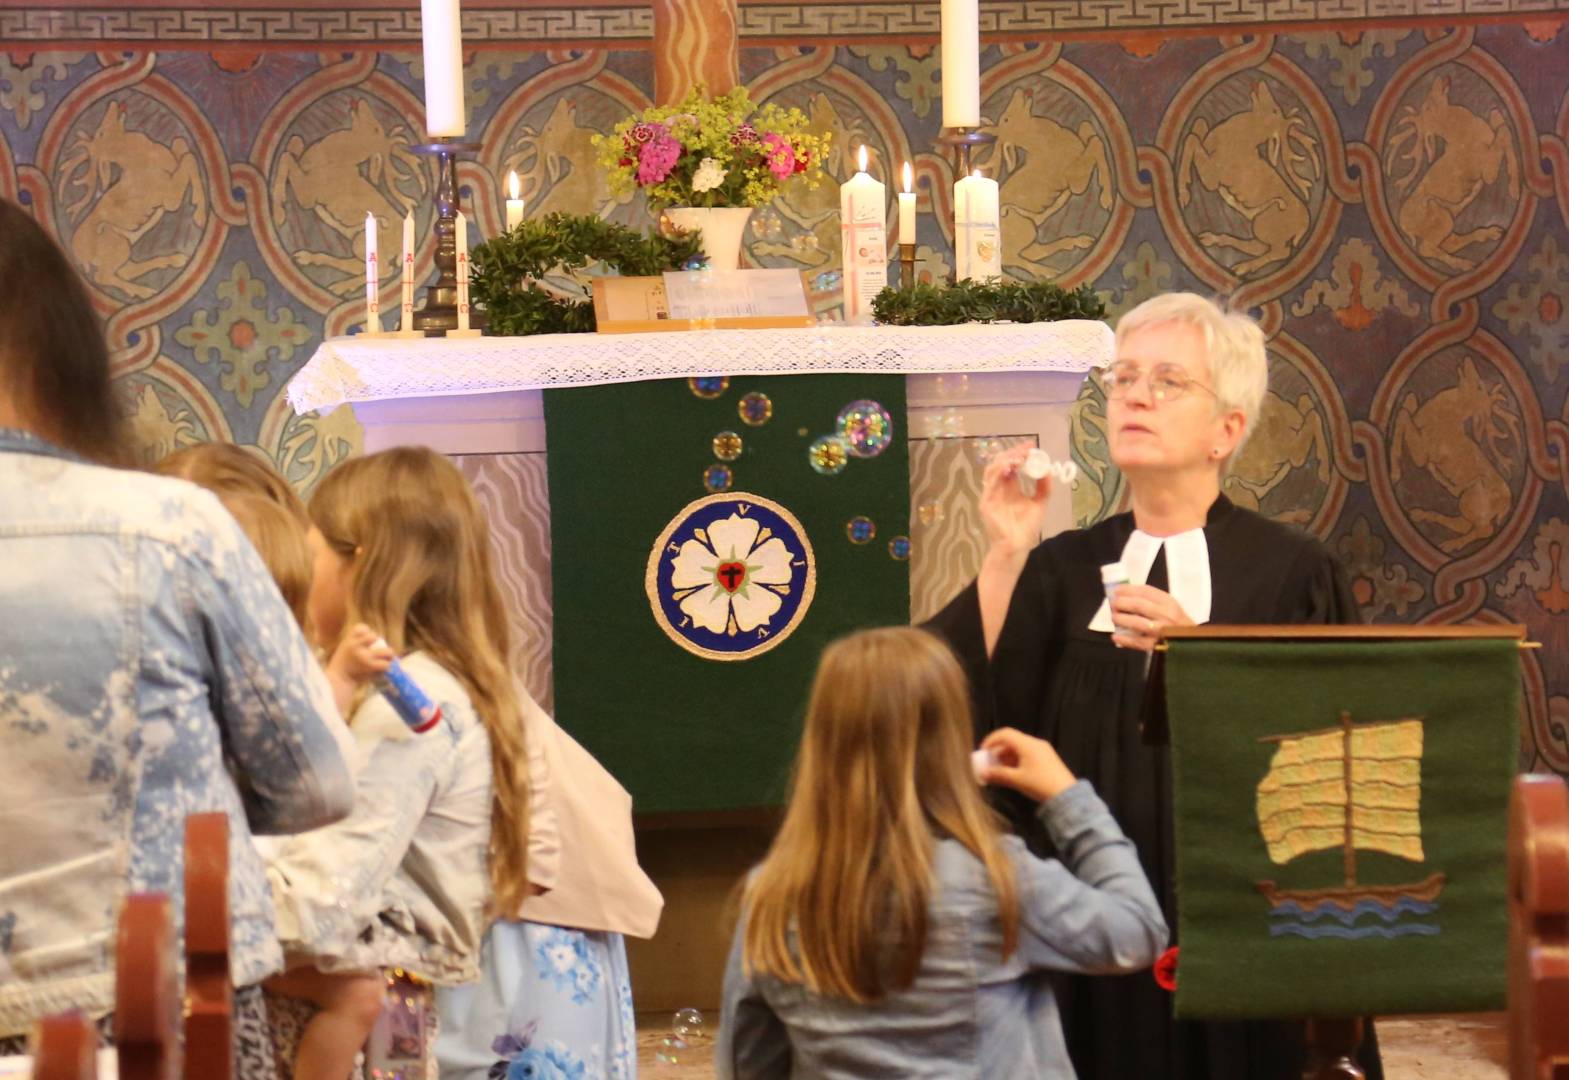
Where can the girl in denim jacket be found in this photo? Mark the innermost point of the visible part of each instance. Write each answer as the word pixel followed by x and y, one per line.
pixel 440 821
pixel 894 929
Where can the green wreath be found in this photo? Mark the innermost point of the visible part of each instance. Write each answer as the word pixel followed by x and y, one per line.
pixel 505 273
pixel 925 304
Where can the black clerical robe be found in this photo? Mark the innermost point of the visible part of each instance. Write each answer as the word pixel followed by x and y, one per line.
pixel 1052 676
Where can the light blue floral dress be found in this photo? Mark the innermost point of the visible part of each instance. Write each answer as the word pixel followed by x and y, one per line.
pixel 551 1004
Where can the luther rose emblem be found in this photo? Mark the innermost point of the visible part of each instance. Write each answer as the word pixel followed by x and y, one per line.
pixel 731 576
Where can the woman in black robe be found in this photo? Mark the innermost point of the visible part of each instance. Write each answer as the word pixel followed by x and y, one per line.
pixel 1186 387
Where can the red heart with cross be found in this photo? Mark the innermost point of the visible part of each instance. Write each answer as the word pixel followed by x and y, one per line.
pixel 731 575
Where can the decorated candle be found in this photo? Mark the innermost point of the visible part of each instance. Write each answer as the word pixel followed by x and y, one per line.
pixel 461 236
pixel 961 63
pixel 407 324
pixel 863 226
pixel 441 29
pixel 907 207
pixel 978 253
pixel 514 201
pixel 372 278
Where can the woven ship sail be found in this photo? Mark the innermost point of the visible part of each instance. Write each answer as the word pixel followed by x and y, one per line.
pixel 1353 787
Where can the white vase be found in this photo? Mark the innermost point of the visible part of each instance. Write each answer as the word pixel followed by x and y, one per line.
pixel 723 229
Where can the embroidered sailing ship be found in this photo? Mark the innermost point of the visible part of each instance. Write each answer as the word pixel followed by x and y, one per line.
pixel 1353 787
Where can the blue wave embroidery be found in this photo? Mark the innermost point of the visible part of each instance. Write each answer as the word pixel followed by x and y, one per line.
pixel 1350 933
pixel 1388 912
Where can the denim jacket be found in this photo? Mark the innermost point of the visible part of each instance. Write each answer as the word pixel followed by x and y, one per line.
pixel 969 1012
pixel 143 648
pixel 404 880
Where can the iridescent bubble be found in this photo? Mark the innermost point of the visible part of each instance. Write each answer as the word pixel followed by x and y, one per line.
pixel 866 428
pixel 717 478
pixel 828 455
pixel 861 530
pixel 899 548
pixel 929 513
pixel 672 1050
pixel 947 424
pixel 827 281
pixel 696 262
pixel 727 446
pixel 756 409
pixel 708 387
pixel 984 449
pixel 804 242
pixel 688 1024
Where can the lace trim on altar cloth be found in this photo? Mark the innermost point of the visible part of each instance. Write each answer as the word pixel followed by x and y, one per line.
pixel 378 369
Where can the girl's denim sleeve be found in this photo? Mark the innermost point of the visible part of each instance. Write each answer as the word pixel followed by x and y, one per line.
pixel 1094 911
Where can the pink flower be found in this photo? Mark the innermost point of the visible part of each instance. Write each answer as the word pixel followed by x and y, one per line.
pixel 780 154
pixel 644 132
pixel 744 135
pixel 657 159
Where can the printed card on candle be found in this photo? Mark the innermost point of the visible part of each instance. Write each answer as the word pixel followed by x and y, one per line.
pixel 372 278
pixel 407 323
pixel 961 63
pixel 863 227
pixel 978 253
pixel 514 201
pixel 907 208
pixel 442 32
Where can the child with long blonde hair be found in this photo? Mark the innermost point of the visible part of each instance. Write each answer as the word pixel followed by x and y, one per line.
pixel 438 837
pixel 893 929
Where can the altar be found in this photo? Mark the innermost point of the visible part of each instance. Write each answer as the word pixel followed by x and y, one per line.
pixel 971 391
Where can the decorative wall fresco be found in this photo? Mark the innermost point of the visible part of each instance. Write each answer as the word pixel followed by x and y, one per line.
pixel 1393 204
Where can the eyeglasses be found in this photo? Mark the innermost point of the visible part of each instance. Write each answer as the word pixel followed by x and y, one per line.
pixel 1167 382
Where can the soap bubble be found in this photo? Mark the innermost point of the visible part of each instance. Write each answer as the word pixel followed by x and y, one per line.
pixel 756 409
pixel 861 530
pixel 866 428
pixel 899 548
pixel 717 478
pixel 947 424
pixel 688 1024
pixel 929 513
pixel 827 281
pixel 727 446
pixel 672 1050
pixel 709 387
pixel 696 262
pixel 984 449
pixel 828 455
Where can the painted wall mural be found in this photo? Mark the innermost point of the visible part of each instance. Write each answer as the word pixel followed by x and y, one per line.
pixel 1392 203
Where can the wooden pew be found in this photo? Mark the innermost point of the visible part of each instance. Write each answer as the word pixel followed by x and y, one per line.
pixel 1539 929
pixel 209 994
pixel 65 1047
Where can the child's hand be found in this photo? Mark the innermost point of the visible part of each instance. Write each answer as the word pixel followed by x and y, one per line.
pixel 359 657
pixel 1026 764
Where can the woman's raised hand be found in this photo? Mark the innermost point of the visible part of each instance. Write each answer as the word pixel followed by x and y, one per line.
pixel 1012 519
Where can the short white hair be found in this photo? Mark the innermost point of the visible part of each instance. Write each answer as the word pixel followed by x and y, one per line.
pixel 1233 347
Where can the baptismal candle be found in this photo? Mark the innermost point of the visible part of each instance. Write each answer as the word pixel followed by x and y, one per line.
pixel 514 201
pixel 442 32
pixel 462 237
pixel 978 252
pixel 372 278
pixel 863 227
pixel 407 324
pixel 961 63
pixel 907 207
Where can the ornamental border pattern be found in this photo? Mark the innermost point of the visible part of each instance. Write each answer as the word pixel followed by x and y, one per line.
pixel 557 25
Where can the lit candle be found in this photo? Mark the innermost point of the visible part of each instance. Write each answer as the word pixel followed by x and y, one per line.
pixel 961 63
pixel 461 235
pixel 407 325
pixel 977 254
pixel 514 201
pixel 372 278
pixel 441 29
pixel 907 207
pixel 863 226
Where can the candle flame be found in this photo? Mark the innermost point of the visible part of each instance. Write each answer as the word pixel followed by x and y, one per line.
pixel 513 187
pixel 909 177
pixel 860 158
pixel 977 174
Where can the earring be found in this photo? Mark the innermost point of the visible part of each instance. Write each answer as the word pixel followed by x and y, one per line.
pixel 1215 452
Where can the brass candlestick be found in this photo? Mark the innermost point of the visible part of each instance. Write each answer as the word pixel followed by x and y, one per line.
pixel 440 312
pixel 906 266
pixel 964 141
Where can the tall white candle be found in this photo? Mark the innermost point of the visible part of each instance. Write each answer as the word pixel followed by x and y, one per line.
pixel 462 238
pixel 863 229
pixel 907 207
pixel 407 324
pixel 977 251
pixel 514 201
pixel 441 29
pixel 372 277
pixel 961 63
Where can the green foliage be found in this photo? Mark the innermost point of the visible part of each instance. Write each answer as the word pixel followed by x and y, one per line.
pixel 506 272
pixel 925 304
